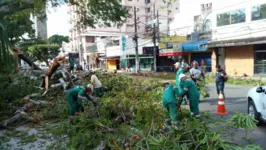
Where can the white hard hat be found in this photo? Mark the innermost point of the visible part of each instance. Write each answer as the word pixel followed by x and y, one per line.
pixel 90 86
pixel 177 64
pixel 181 76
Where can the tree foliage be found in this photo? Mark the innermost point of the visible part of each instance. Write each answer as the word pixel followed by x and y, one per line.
pixel 100 12
pixel 43 52
pixel 58 39
pixel 92 12
pixel 6 58
pixel 17 25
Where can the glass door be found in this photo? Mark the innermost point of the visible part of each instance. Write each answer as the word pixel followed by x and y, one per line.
pixel 260 62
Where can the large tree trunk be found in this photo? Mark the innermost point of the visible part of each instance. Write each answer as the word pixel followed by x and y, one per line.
pixel 28 61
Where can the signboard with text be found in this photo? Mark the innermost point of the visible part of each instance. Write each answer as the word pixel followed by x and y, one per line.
pixel 172 46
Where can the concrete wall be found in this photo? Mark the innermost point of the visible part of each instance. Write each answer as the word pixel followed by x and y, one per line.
pixel 213 61
pixel 239 60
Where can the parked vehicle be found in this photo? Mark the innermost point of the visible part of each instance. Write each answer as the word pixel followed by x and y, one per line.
pixel 43 66
pixel 257 103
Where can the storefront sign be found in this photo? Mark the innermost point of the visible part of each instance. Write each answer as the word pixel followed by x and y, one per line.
pixel 171 52
pixel 123 41
pixel 169 42
pixel 149 50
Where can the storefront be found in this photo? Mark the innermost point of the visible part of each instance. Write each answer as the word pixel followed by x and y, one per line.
pixel 199 52
pixel 145 62
pixel 112 63
pixel 205 57
pixel 171 52
pixel 260 59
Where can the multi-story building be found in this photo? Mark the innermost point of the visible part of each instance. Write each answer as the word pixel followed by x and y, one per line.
pixel 238 39
pixel 235 31
pixel 40 26
pixel 93 43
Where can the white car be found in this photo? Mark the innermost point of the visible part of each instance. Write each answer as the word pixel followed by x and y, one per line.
pixel 257 103
pixel 44 67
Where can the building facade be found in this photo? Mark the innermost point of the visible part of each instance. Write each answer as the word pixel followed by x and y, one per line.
pixel 234 30
pixel 83 40
pixel 238 37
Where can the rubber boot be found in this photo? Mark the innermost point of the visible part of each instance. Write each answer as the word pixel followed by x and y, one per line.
pixel 167 124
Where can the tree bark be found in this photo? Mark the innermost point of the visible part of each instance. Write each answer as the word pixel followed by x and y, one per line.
pixel 28 61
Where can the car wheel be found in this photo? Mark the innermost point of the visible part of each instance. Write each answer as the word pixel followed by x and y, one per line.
pixel 252 111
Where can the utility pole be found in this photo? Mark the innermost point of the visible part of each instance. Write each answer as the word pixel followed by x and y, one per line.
pixel 158 29
pixel 154 39
pixel 136 40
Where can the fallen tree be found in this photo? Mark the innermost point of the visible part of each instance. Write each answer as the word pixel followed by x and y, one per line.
pixel 21 114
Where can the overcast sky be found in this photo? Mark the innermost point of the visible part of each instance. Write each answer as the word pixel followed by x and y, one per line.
pixel 57 22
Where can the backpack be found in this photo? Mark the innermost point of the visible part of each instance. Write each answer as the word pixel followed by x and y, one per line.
pixel 225 79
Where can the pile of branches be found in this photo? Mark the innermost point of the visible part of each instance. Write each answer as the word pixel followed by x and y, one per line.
pixel 131 118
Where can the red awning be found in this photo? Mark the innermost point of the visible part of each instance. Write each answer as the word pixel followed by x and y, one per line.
pixel 173 54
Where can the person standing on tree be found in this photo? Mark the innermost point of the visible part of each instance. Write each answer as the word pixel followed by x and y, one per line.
pixel 97 85
pixel 221 78
pixel 77 96
pixel 170 104
pixel 72 64
pixel 188 87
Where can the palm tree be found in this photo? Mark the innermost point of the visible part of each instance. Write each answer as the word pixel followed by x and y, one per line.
pixel 6 55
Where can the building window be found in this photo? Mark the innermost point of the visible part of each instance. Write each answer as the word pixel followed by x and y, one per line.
pixel 208 26
pixel 147 1
pixel 238 16
pixel 147 10
pixel 258 12
pixel 233 17
pixel 260 59
pixel 223 19
pixel 90 39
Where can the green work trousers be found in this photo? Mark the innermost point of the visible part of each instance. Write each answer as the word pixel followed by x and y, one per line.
pixel 99 92
pixel 194 105
pixel 73 104
pixel 171 111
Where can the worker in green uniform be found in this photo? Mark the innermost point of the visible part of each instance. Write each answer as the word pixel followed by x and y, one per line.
pixel 97 85
pixel 188 87
pixel 181 70
pixel 170 104
pixel 72 64
pixel 77 96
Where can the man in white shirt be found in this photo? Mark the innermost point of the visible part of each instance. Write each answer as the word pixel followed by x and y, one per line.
pixel 196 73
pixel 97 85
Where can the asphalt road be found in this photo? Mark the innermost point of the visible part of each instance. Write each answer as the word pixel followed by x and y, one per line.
pixel 235 101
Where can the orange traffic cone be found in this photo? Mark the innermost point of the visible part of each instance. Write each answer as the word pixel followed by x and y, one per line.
pixel 221 105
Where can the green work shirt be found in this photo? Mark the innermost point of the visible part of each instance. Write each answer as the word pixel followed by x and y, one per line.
pixel 72 63
pixel 180 71
pixel 79 94
pixel 169 94
pixel 192 89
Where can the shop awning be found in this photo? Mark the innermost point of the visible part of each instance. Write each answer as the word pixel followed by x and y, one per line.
pixel 195 46
pixel 173 54
pixel 111 58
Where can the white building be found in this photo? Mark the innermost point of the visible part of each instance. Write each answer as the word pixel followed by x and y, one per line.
pixel 235 31
pixel 84 39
